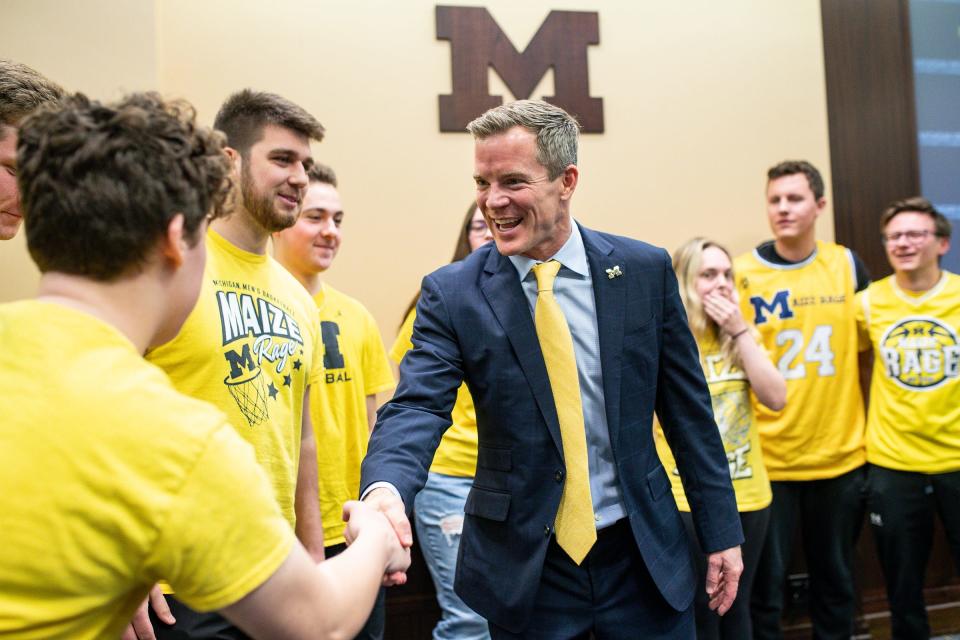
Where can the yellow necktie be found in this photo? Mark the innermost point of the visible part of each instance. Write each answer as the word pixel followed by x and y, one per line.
pixel 575 527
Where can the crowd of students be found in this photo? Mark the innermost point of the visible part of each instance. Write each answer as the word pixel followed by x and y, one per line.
pixel 187 415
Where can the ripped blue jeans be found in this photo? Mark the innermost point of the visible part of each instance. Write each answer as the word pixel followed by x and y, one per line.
pixel 438 510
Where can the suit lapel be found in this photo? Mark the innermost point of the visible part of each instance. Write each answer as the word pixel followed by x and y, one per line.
pixel 610 298
pixel 505 295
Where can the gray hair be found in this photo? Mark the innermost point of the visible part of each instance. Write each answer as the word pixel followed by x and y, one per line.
pixel 22 90
pixel 556 130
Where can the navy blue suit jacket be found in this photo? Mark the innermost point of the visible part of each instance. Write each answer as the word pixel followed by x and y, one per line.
pixel 474 324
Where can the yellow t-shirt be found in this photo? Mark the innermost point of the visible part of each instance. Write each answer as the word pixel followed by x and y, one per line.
pixel 356 366
pixel 730 395
pixel 250 347
pixel 111 479
pixel 914 418
pixel 806 316
pixel 457 453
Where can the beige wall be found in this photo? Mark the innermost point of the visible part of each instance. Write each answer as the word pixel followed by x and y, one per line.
pixel 82 46
pixel 700 97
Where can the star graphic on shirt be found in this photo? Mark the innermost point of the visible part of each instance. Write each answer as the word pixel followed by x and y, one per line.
pixel 297 364
pixel 287 380
pixel 272 390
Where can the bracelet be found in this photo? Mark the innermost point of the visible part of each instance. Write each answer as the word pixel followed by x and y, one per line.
pixel 739 333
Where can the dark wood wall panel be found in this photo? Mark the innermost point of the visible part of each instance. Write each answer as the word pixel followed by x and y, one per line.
pixel 872 117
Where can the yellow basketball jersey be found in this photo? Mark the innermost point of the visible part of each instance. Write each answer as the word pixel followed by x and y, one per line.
pixel 730 396
pixel 914 418
pixel 806 316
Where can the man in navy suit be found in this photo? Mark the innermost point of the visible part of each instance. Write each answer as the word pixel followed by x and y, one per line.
pixel 634 355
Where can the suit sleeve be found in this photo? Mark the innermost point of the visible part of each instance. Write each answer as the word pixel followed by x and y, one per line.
pixel 409 427
pixel 684 409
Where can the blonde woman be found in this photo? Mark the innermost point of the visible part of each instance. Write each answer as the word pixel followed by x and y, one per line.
pixel 734 364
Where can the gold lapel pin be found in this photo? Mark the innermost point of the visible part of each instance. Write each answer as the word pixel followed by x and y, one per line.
pixel 614 272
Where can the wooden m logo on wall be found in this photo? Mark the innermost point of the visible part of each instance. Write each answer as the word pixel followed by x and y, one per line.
pixel 477 42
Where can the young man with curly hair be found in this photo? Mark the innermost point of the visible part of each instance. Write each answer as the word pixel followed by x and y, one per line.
pixel 112 479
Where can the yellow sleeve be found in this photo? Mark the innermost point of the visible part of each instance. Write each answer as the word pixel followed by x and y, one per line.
pixel 316 364
pixel 224 534
pixel 404 342
pixel 862 304
pixel 377 375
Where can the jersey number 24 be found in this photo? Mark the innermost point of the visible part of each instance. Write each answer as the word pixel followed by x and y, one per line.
pixel 817 352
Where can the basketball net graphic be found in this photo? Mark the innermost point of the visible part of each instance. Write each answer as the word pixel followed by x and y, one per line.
pixel 250 395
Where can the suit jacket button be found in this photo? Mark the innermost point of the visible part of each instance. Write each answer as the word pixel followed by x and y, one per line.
pixel 558 476
pixel 546 531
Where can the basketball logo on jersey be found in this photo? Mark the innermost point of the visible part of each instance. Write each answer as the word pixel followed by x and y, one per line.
pixel 920 353
pixel 778 305
pixel 256 330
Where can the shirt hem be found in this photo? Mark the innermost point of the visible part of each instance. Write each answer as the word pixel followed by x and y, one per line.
pixel 895 465
pixel 833 471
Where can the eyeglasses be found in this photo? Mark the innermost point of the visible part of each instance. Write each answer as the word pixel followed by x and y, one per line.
pixel 914 236
pixel 477 226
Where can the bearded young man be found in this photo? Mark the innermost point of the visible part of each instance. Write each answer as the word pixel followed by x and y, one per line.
pixel 251 346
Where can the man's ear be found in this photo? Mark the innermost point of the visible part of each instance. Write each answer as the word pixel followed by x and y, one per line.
pixel 235 158
pixel 568 181
pixel 944 246
pixel 821 206
pixel 173 247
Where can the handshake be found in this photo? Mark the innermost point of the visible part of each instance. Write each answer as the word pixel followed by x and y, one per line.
pixel 381 516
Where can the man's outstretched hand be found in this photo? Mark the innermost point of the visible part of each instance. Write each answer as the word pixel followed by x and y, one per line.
pixel 387 503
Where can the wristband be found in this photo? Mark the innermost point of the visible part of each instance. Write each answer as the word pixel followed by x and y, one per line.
pixel 739 333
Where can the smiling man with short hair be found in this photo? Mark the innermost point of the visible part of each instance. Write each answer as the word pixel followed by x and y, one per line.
pixel 568 340
pixel 251 346
pixel 799 291
pixel 912 322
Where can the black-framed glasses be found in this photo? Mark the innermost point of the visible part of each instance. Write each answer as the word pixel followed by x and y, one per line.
pixel 913 236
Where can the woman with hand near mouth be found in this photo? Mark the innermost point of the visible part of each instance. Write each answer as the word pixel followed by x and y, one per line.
pixel 733 364
pixel 438 508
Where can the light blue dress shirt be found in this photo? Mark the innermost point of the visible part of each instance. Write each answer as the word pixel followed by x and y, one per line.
pixel 573 289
